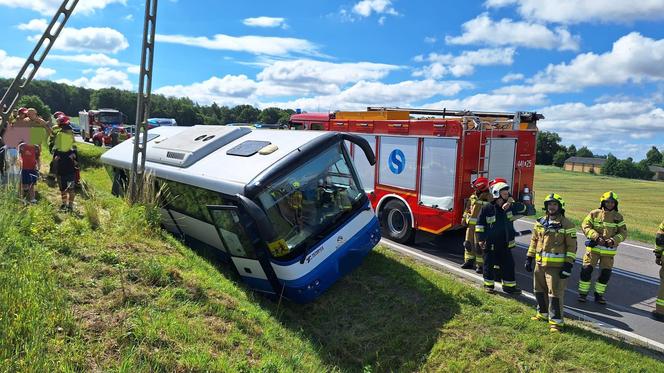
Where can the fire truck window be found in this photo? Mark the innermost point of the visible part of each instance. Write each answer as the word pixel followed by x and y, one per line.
pixel 438 173
pixel 317 126
pixel 364 169
pixel 398 161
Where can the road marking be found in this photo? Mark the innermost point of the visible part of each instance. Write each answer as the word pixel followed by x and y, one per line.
pixel 582 235
pixel 612 330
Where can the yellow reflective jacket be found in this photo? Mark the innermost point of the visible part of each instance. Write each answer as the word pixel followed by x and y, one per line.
pixel 553 241
pixel 605 224
pixel 659 240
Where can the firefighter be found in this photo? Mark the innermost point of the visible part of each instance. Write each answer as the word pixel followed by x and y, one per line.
pixel 553 251
pixel 495 232
pixel 605 229
pixel 658 313
pixel 472 251
pixel 295 201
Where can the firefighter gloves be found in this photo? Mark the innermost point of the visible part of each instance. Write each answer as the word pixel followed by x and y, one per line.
pixel 566 271
pixel 529 264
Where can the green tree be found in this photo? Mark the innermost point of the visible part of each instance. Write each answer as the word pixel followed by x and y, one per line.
pixel 245 113
pixel 643 170
pixel 654 156
pixel 571 151
pixel 559 158
pixel 548 144
pixel 610 165
pixel 270 115
pixel 35 102
pixel 584 152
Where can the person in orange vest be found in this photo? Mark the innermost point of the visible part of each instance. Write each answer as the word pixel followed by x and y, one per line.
pixel 658 313
pixel 605 229
pixel 479 198
pixel 552 250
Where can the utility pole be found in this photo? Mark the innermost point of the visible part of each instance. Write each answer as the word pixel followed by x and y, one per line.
pixel 34 61
pixel 136 177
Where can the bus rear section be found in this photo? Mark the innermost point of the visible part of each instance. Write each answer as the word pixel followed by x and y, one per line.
pixel 426 160
pixel 284 209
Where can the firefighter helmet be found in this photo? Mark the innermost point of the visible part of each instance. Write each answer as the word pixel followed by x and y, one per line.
pixel 481 184
pixel 63 120
pixel 609 196
pixel 57 114
pixel 553 197
pixel 496 185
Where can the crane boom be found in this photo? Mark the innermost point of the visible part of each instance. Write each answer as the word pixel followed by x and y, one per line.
pixel 143 102
pixel 34 61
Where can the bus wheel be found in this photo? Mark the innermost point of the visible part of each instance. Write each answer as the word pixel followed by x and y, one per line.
pixel 396 222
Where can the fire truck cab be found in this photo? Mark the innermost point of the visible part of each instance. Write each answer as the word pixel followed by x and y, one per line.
pixel 426 160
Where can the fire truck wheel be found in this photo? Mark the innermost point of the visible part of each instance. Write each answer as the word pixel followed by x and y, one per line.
pixel 396 222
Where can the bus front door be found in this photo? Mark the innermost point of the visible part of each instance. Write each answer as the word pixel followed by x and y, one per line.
pixel 247 252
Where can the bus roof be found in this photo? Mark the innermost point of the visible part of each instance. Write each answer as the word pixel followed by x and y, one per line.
pixel 215 170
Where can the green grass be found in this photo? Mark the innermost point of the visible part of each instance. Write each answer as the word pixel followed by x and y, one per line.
pixel 121 295
pixel 640 201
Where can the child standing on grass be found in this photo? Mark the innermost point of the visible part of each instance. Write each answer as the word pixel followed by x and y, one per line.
pixel 29 157
pixel 66 161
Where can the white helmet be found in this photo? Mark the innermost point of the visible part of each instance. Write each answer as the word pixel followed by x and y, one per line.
pixel 497 185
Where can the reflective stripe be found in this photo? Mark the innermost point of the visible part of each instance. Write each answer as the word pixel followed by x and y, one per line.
pixel 660 302
pixel 571 230
pixel 479 260
pixel 571 255
pixel 601 250
pixel 550 258
pixel 557 322
pixel 511 244
pixel 479 228
pixel 472 221
pixel 659 249
pixel 489 283
pixel 490 219
pixel 620 237
pixel 621 224
pixel 509 283
pixel 600 288
pixel 584 287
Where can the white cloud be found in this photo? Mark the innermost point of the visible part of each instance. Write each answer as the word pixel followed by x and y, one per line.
pixel 485 31
pixel 633 59
pixel 618 121
pixel 365 8
pixel 268 45
pixel 92 39
pixel 37 24
pixel 229 90
pixel 48 7
pixel 441 65
pixel 129 17
pixel 10 66
pixel 578 11
pixel 265 22
pixel 134 69
pixel 103 78
pixel 430 39
pixel 97 59
pixel 491 102
pixel 512 77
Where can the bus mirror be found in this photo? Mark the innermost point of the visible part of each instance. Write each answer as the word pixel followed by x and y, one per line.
pixel 363 144
pixel 265 229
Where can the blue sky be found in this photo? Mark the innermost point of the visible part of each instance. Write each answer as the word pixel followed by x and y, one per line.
pixel 594 68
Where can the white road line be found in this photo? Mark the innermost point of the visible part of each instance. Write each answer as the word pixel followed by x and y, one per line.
pixel 607 328
pixel 582 235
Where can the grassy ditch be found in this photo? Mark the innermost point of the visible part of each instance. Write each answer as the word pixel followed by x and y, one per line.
pixel 105 289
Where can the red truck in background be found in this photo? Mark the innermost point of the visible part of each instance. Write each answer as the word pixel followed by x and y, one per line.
pixel 103 126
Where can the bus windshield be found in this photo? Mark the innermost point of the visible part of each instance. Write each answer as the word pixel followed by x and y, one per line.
pixel 307 204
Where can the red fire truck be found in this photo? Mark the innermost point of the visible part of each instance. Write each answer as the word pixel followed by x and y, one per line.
pixel 426 160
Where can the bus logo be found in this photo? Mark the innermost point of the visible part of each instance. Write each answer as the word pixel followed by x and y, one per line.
pixel 397 161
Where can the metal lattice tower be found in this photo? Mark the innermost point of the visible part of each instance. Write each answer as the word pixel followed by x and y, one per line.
pixel 34 61
pixel 136 178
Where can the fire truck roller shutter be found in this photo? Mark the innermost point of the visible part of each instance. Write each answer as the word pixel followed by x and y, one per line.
pixel 364 169
pixel 398 162
pixel 500 155
pixel 438 172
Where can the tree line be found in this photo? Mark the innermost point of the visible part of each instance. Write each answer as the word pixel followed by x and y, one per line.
pixel 71 100
pixel 551 152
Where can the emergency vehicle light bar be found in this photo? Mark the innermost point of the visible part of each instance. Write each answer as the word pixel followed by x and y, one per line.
pixel 526 117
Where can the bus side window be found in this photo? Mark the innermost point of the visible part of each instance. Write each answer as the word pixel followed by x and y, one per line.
pixel 230 226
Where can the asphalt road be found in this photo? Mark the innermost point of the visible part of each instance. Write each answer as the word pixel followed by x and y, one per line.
pixel 630 295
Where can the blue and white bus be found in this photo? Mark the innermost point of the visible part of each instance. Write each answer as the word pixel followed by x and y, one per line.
pixel 286 208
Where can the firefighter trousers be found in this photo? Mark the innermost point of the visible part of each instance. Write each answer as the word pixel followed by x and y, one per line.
pixel 590 261
pixel 474 251
pixel 549 291
pixel 659 305
pixel 499 254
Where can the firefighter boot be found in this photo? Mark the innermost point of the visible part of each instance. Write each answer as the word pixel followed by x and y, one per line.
pixel 556 319
pixel 599 298
pixel 468 256
pixel 600 285
pixel 497 273
pixel 468 264
pixel 658 316
pixel 542 307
